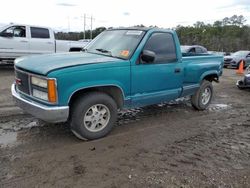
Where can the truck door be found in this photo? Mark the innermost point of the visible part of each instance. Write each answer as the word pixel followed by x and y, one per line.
pixel 14 42
pixel 160 80
pixel 41 41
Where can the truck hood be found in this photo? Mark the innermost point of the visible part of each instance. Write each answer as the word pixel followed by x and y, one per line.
pixel 43 64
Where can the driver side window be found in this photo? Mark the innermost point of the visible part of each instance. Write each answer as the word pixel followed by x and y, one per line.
pixel 163 45
pixel 17 31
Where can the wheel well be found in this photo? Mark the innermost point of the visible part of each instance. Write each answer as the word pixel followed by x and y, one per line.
pixel 113 91
pixel 75 49
pixel 212 77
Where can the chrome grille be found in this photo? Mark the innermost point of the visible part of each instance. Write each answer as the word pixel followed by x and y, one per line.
pixel 227 60
pixel 22 82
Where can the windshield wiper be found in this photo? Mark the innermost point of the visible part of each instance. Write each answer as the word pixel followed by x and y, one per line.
pixel 107 52
pixel 104 51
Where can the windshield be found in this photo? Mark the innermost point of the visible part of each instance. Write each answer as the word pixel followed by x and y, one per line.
pixel 184 49
pixel 116 43
pixel 240 53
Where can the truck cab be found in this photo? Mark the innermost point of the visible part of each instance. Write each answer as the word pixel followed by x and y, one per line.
pixel 19 40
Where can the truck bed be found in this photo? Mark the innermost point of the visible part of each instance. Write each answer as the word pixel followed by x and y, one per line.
pixel 197 68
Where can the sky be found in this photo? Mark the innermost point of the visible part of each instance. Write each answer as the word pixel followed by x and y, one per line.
pixel 68 15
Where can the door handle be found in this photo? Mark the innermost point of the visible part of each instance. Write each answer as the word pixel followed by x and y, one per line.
pixel 50 43
pixel 177 70
pixel 23 41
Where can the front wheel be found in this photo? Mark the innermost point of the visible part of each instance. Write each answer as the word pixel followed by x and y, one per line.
pixel 203 96
pixel 93 116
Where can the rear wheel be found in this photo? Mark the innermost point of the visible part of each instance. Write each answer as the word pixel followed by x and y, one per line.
pixel 203 96
pixel 93 116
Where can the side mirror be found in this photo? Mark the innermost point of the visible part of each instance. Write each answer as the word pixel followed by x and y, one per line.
pixel 148 56
pixel 9 35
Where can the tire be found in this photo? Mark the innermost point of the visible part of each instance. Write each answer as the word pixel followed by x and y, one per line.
pixel 240 83
pixel 93 116
pixel 203 96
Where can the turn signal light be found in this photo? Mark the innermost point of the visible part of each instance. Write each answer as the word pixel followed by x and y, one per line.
pixel 52 94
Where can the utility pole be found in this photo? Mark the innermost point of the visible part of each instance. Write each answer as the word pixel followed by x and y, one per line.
pixel 91 26
pixel 84 25
pixel 68 24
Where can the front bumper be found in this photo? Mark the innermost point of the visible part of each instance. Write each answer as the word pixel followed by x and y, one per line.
pixel 240 84
pixel 230 64
pixel 52 114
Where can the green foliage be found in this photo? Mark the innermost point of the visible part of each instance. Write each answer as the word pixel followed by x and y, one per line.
pixel 228 35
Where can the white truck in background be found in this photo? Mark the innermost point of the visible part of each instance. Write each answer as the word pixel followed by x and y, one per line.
pixel 18 40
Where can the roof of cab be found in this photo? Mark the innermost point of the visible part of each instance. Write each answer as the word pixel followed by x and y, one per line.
pixel 132 28
pixel 146 29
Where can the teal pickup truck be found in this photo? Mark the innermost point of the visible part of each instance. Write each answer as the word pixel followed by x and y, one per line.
pixel 121 68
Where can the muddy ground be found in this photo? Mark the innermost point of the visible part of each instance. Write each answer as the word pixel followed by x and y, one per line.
pixel 167 145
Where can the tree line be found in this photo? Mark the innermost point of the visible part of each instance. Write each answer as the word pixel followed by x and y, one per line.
pixel 228 35
pixel 79 35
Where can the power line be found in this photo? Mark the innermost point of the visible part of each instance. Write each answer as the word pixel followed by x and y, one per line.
pixel 91 26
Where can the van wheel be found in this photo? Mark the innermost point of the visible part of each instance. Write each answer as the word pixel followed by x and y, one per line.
pixel 203 96
pixel 93 116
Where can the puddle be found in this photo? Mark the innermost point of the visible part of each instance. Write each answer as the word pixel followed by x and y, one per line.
pixel 30 125
pixel 8 139
pixel 9 131
pixel 219 107
pixel 17 125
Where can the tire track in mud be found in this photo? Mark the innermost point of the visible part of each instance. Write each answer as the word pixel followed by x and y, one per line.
pixel 136 113
pixel 224 148
pixel 176 154
pixel 29 128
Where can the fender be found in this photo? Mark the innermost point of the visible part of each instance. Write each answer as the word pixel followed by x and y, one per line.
pixel 96 86
pixel 70 91
pixel 207 73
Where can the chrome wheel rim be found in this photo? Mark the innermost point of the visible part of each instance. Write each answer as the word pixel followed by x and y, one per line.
pixel 205 96
pixel 96 118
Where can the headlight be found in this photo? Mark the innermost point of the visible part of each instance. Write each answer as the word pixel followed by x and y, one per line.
pixel 40 94
pixel 45 89
pixel 39 82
